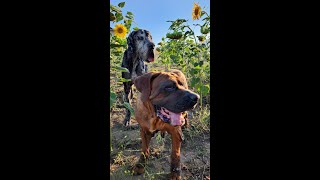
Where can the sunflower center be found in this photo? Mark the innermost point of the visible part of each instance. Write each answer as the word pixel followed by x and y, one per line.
pixel 120 30
pixel 196 11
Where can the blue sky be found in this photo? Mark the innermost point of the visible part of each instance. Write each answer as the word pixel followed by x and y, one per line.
pixel 153 14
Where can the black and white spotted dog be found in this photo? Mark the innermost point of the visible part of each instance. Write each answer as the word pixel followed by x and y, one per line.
pixel 140 50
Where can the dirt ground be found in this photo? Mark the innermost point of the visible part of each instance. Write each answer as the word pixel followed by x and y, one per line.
pixel 126 147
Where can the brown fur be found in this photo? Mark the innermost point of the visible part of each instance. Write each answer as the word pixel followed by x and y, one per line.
pixel 149 85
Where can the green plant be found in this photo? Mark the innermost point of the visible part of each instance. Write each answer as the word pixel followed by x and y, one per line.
pixel 117 48
pixel 182 48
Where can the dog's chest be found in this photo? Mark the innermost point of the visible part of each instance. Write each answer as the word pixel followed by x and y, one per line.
pixel 139 69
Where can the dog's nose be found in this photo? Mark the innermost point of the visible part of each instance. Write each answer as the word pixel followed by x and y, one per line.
pixel 151 46
pixel 194 97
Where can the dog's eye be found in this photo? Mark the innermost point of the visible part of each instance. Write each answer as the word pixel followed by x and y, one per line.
pixel 140 38
pixel 180 83
pixel 169 88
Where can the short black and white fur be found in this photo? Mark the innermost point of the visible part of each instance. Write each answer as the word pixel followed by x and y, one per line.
pixel 140 50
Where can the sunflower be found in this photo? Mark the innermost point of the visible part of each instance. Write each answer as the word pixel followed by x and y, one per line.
pixel 201 38
pixel 196 11
pixel 120 31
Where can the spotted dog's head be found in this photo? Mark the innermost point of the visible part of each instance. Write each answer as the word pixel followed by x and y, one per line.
pixel 140 45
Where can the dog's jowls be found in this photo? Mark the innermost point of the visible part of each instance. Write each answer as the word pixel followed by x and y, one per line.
pixel 167 90
pixel 140 50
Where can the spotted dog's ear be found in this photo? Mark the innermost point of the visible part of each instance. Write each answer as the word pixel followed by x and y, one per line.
pixel 143 84
pixel 130 42
pixel 148 34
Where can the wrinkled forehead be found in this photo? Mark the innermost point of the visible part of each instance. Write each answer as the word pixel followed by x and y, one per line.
pixel 168 78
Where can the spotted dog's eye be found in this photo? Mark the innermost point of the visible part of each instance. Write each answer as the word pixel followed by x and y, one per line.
pixel 140 38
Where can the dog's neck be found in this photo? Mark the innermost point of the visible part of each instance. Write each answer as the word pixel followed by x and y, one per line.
pixel 150 107
pixel 137 58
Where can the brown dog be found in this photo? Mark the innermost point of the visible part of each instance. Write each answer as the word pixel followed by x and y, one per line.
pixel 163 99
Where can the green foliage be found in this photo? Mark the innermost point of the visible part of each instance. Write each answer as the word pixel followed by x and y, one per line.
pixel 121 4
pixel 113 97
pixel 180 49
pixel 117 48
pixel 183 50
pixel 127 105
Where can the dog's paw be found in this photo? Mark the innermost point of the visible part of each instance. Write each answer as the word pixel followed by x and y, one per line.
pixel 176 174
pixel 138 169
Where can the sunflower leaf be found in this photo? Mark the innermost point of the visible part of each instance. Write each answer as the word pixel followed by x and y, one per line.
pixel 119 17
pixel 113 97
pixel 124 80
pixel 194 81
pixel 121 69
pixel 204 29
pixel 129 107
pixel 121 4
pixel 202 13
pixel 186 33
pixel 129 15
pixel 181 20
pixel 206 18
pixel 204 89
pixel 115 9
pixel 117 45
pixel 197 67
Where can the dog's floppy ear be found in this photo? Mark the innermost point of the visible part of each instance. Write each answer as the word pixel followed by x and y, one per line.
pixel 143 84
pixel 130 42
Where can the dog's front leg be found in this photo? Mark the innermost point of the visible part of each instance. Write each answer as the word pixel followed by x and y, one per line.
pixel 145 137
pixel 127 92
pixel 175 154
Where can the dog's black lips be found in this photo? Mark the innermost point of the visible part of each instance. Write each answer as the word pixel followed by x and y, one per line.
pixel 156 107
pixel 159 114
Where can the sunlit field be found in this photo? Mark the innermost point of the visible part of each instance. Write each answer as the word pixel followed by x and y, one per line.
pixel 180 48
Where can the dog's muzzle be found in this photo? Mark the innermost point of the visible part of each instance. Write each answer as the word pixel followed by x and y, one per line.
pixel 150 55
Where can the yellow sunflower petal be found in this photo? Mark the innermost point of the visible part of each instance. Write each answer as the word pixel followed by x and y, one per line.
pixel 120 31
